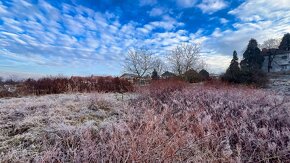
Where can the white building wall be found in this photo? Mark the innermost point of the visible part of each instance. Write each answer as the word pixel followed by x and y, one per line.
pixel 280 63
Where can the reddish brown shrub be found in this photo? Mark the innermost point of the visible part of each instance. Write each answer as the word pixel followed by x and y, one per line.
pixel 57 85
pixel 5 93
pixel 163 86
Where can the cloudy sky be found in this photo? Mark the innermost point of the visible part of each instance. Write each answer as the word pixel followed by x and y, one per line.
pixel 83 37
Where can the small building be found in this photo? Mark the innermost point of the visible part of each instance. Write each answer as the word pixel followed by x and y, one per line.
pixel 276 60
pixel 167 75
pixel 129 77
pixel 10 88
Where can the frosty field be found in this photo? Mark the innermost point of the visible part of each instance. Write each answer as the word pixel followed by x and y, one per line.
pixel 26 122
pixel 160 123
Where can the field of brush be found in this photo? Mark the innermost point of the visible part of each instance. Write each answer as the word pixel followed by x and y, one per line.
pixel 163 122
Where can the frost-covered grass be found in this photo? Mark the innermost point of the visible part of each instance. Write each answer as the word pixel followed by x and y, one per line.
pixel 172 122
pixel 26 123
pixel 280 84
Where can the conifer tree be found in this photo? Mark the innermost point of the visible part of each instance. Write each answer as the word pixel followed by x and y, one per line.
pixel 253 60
pixel 154 75
pixel 285 43
pixel 233 72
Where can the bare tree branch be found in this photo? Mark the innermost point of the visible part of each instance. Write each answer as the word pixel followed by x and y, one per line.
pixel 184 57
pixel 270 44
pixel 139 61
pixel 159 66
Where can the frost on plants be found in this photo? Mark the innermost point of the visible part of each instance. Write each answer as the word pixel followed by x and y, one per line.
pixel 191 124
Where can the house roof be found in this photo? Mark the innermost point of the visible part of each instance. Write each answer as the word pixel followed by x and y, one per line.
pixel 267 52
pixel 190 71
pixel 127 75
pixel 168 74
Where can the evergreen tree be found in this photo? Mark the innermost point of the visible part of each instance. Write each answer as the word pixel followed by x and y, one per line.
pixel 251 65
pixel 233 72
pixel 154 75
pixel 285 43
pixel 253 60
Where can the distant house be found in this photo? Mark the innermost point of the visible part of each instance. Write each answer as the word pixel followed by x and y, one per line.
pixel 167 75
pixel 10 88
pixel 276 60
pixel 129 77
pixel 76 78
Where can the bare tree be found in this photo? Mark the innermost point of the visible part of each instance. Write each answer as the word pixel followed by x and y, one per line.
pixel 184 57
pixel 139 61
pixel 201 65
pixel 159 66
pixel 270 44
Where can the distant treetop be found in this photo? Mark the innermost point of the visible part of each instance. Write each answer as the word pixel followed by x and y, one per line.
pixel 285 43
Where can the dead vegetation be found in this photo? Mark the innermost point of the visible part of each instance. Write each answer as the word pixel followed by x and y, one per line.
pixel 58 85
pixel 188 124
pixel 167 121
pixel 26 123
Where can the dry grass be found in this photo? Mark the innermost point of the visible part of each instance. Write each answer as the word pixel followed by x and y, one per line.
pixel 166 122
pixel 188 124
pixel 26 123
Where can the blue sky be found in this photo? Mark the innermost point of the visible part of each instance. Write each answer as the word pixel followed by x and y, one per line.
pixel 84 37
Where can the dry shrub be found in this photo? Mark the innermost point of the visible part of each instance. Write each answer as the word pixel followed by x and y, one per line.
pixel 190 124
pixel 217 83
pixel 5 93
pixel 162 87
pixel 57 85
pixel 60 85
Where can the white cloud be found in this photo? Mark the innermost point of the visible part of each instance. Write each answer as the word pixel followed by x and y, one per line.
pixel 224 20
pixel 186 3
pixel 88 37
pixel 156 11
pixel 40 35
pixel 167 23
pixel 81 39
pixel 262 9
pixel 211 6
pixel 270 21
pixel 2 9
pixel 19 75
pixel 217 33
pixel 147 2
pixel 217 63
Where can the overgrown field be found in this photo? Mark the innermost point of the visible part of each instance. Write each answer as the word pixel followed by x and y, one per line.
pixel 164 122
pixel 27 123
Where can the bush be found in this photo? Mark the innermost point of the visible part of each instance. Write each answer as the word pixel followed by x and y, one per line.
pixel 57 85
pixel 192 76
pixel 163 87
pixel 257 78
pixel 232 78
pixel 6 93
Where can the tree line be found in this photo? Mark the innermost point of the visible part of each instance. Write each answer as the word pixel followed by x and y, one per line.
pixel 184 61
